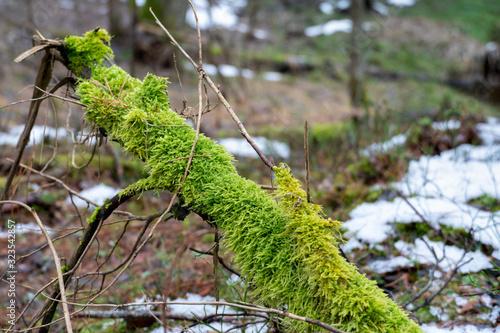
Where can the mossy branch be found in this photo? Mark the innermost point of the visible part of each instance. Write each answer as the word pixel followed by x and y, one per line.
pixel 286 249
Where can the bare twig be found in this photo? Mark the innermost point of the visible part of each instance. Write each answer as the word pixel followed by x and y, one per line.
pixel 246 306
pixel 56 261
pixel 306 153
pixel 221 260
pixel 49 94
pixel 217 91
pixel 43 79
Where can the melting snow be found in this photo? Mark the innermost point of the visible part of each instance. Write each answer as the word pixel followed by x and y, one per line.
pixel 197 310
pixel 449 256
pixel 97 193
pixel 232 71
pixel 23 228
pixel 221 15
pixel 206 310
pixel 37 134
pixel 240 147
pixel 383 147
pixel 439 189
pixel 432 328
pixel 401 3
pixel 326 8
pixel 462 174
pixel 273 76
pixel 447 125
pixel 329 28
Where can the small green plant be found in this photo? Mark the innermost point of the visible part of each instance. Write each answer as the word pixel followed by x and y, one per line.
pixel 486 202
pixel 493 281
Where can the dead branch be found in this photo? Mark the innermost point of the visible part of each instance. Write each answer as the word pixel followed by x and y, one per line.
pixel 48 311
pixel 43 79
pixel 57 262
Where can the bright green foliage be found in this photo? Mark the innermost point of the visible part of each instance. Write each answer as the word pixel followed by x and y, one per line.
pixel 283 246
pixel 84 51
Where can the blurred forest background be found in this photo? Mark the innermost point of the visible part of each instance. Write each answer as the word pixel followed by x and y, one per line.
pixel 359 73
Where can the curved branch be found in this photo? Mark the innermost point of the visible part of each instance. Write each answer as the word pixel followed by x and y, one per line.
pixel 88 237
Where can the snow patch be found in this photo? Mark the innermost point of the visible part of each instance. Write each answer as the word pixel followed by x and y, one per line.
pixel 223 14
pixel 24 228
pixel 97 193
pixel 329 28
pixel 38 133
pixel 240 147
pixel 383 147
pixel 451 124
pixel 326 8
pixel 432 328
pixel 402 3
pixel 272 76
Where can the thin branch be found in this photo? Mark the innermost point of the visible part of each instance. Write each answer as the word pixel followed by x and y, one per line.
pixel 217 91
pixel 221 260
pixel 253 308
pixel 306 155
pixel 57 262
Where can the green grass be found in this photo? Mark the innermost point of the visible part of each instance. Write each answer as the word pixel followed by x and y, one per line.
pixel 475 18
pixel 409 58
pixel 413 95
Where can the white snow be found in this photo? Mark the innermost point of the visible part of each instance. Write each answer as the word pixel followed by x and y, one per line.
pixel 37 134
pixel 401 3
pixel 240 147
pixel 491 46
pixel 438 312
pixel 448 255
pixel 223 14
pixel 273 76
pixel 383 147
pixel 97 193
pixel 451 124
pixel 233 71
pixel 381 8
pixel 200 310
pixel 391 265
pixel 439 189
pixel 343 4
pixel 432 328
pixel 197 310
pixel 459 174
pixel 23 228
pixel 489 132
pixel 326 8
pixel 329 28
pixel 225 70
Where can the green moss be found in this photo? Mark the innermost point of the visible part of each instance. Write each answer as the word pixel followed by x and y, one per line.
pixel 411 231
pixel 285 249
pixel 92 218
pixel 486 202
pixel 85 51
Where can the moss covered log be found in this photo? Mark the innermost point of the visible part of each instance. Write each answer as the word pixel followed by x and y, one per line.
pixel 282 244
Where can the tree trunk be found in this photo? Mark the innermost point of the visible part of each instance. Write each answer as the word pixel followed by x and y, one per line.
pixel 115 28
pixel 356 49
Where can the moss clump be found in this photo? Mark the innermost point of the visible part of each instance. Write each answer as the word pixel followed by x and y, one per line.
pixel 92 218
pixel 84 51
pixel 285 249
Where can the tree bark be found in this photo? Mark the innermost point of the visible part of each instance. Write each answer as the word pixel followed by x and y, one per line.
pixel 356 49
